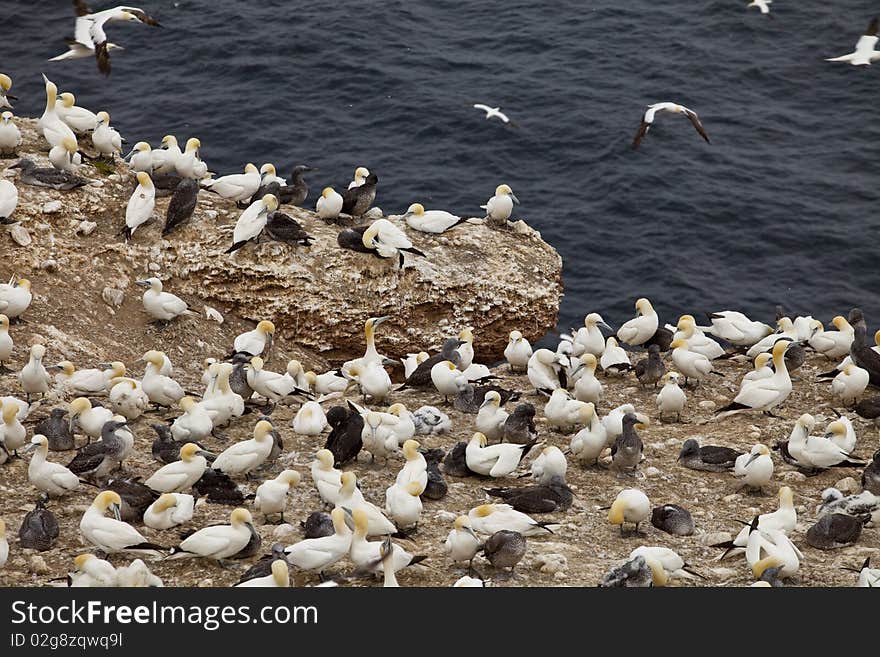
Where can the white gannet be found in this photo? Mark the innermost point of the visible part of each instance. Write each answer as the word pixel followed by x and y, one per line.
pixel 447 379
pixel 630 506
pixel 271 385
pixel 850 383
pixel 279 577
pixel 360 176
pixel 90 381
pixel 561 411
pixel 462 543
pixel 490 518
pixel 492 112
pixel 671 398
pixel 329 204
pixel 106 140
pixel 387 241
pixel 50 125
pixel 252 221
pixel 614 359
pixel 401 422
pixel 65 156
pixel 315 554
pixel 328 382
pixel 161 389
pixel 170 510
pixel 8 201
pixel 767 393
pixel 165 157
pixel 218 541
pixel 254 342
pixel 158 304
pixel 371 353
pixel 548 464
pixel 491 416
pixel 373 380
pixel 613 421
pixel 763 5
pixel 687 330
pixel 365 554
pixel 136 575
pixel 868 577
pixel 244 456
pixel 762 368
pixel 587 444
pixel 466 350
pixel 140 158
pixel 79 119
pixel 493 460
pixel 500 206
pixel 587 388
pixel 667 560
pixel 10 140
pixel 351 498
pixel 327 479
pixel 310 419
pixel 589 337
pixel 783 519
pixel 237 187
pixel 864 53
pixel 90 571
pixel 640 328
pixel 15 298
pixel 140 206
pixel 5 86
pixel 179 475
pixel 543 370
pixel 6 344
pixel 786 330
pixel 832 344
pixel 692 364
pixel 737 329
pixel 224 404
pixel 466 581
pixel 430 221
pixel 768 548
pixel 13 433
pixel 675 108
pixel 194 425
pixel 89 29
pixel 518 351
pixel 377 436
pixel 91 419
pixel 755 468
pixel 188 164
pixel 272 494
pixel 51 478
pixel 403 504
pixel 111 534
pixel 33 376
pixel 841 433
pixel 412 361
pixel 415 468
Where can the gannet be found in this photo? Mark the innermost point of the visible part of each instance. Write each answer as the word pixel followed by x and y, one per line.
pixel 65 156
pixel 868 577
pixel 635 573
pixel 252 221
pixel 519 427
pixel 180 475
pixel 244 456
pixel 430 221
pixel 415 468
pixel 12 432
pixel 819 452
pixel 5 86
pixel 365 554
pixel 687 330
pixel 182 204
pixel 710 458
pixel 447 379
pixel 630 506
pixel 832 344
pixel 272 494
pixel 864 53
pixel 589 338
pixel 863 504
pixel 6 344
pixel 500 206
pixel 377 436
pixel 671 398
pixel 771 548
pixel 107 141
pixel 462 543
pixel 356 201
pixel 373 380
pixel 51 478
pixel 10 138
pixel 518 351
pixel 783 519
pixel 329 204
pixel 648 120
pixel 587 444
pixel 673 519
pixel 650 370
pixel 737 329
pixel 614 359
pixel 360 175
pixel 218 541
pixel 50 177
pixel 505 549
pixel 642 327
pixel 39 528
pixel 763 369
pixel 587 388
pixel 90 571
pixel 164 158
pixel 50 125
pixel 110 534
pixel 841 433
pixel 136 575
pixel 160 305
pixel 544 368
pixel 97 460
pixel 298 190
pixel 492 112
pixel 626 451
pixel 4 544
pixel 316 554
pixel 162 390
pixel 254 342
pixel 849 385
pixel 188 164
pixel 140 158
pixel 90 381
pixel 281 227
pixel 494 460
pixel 387 241
pixel 79 119
pixel 553 495
pixel 90 419
pixel 491 416
pixel 763 5
pixel 613 421
pixel 278 577
pixel 224 404
pixel 140 209
pixel 194 425
pixel 666 560
pixel 327 479
pixel 548 464
pixel 403 504
pixel 561 411
pixel 310 419
pixel 755 468
pixel 490 518
pixel 170 510
pixel 767 393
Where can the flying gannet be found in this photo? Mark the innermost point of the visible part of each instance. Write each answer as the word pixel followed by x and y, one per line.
pixel 648 120
pixel 864 53
pixel 492 112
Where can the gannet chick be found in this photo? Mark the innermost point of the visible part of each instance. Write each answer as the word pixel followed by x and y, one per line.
pixel 754 469
pixel 51 478
pixel 630 506
pixel 650 370
pixel 218 541
pixel 430 221
pixel 635 573
pixel 110 534
pixel 861 505
pixel 326 478
pixel 835 530
pixel 162 390
pixel 160 305
pixel 181 206
pixel 403 504
pixel 140 205
pixel 462 543
pixel 544 370
pixel 356 201
pixel 247 455
pixel 554 495
pixel 39 528
pixel 491 416
pixel 766 393
pixel 518 351
pixel 97 460
pixel 491 518
pixel 182 474
pixel 106 140
pixel 519 427
pixel 672 519
pixel 10 138
pixel 254 342
pixel 850 383
pixel 650 113
pixel 272 494
pixel 671 398
pixel 15 299
pixel 57 430
pixel 668 560
pixel 864 53
pixel 500 206
pixel 360 176
pixel 90 571
pixel 550 463
pixel 626 452
pixel 252 221
pixel 642 327
pixel 587 444
pixel 429 420
pixel 614 359
pixel 329 204
pixel 53 129
pixel 494 460
pixel 170 510
pixel 316 554
pixel 709 458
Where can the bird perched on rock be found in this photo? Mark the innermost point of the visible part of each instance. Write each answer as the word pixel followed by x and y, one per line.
pixel 436 487
pixel 51 177
pixel 39 528
pixel 181 206
pixel 282 227
pixel 358 200
pixel 836 530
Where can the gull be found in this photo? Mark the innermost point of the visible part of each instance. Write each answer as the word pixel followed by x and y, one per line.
pixel 761 4
pixel 648 120
pixel 492 112
pixel 864 53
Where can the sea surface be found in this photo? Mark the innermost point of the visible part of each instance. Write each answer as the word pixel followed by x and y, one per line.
pixel 781 207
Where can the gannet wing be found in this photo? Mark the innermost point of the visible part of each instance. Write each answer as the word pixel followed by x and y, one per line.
pixel 643 130
pixel 697 125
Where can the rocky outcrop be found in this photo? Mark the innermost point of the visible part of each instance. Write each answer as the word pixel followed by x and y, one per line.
pixel 318 296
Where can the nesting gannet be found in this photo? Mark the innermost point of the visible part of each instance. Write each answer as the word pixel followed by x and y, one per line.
pixel 671 398
pixel 90 381
pixel 281 227
pixel 518 351
pixel 79 119
pixel 140 158
pixel 642 327
pixel 90 419
pixel 767 393
pixel 170 510
pixel 316 554
pixel 614 359
pixel 254 342
pixel 5 86
pixel 550 496
pixel 140 206
pixel 182 474
pixel 494 460
pixel 360 176
pixel 218 541
pixel 90 571
pixel 327 479
pixel 310 420
pixel 666 560
pixel 755 468
pixel 850 383
pixel 161 389
pixel 447 379
pixel 50 177
pixel 737 329
pixel 650 113
pixel 50 125
pixel 106 140
pixel 15 299
pixel 818 452
pixel 462 543
pixel 544 368
pixel 188 164
pixel 373 380
pixel 587 444
pixel 771 548
pixel 195 424
pixel 783 519
pixel 329 204
pixel 162 306
pixel 252 221
pixel 763 369
pixel 51 478
pixel 673 519
pixel 626 451
pixel 356 201
pixel 57 430
pixel 403 504
pixel 763 5
pixel 244 456
pixel 430 221
pixel 500 206
pixel 65 156
pixel 491 518
pixel 864 52
pixel 272 494
pixel 110 534
pixel 630 506
pixel 386 240
pixel 491 416
pixel 710 458
pixel 345 440
pixel 351 498
pixel 10 140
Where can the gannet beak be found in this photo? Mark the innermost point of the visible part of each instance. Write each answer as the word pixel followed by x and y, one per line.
pixel 390 361
pixel 54 368
pixel 753 457
pixel 514 199
pixel 578 369
pixel 143 283
pixel 208 455
pixel 379 320
pixel 116 512
pixel 130 153
pixel 470 531
pixel 605 326
pixel 30 447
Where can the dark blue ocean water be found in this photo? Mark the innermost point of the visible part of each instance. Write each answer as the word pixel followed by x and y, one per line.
pixel 780 208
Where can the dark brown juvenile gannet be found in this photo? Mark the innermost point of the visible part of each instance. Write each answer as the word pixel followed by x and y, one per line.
pixel 57 430
pixel 626 452
pixel 298 190
pixel 871 475
pixel 318 524
pixel 358 200
pixel 455 463
pixel 436 487
pixel 651 369
pixel 710 458
pixel 36 176
pixel 282 227
pixel 554 496
pixel 519 427
pixel 673 519
pixel 505 549
pixel 345 441
pixel 860 352
pixel 182 205
pixel 39 528
pixel 836 530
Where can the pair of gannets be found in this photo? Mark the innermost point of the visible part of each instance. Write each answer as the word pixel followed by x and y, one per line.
pixel 491 416
pixel 696 339
pixel 820 452
pixel 271 385
pixel 783 519
pixel 316 554
pixel 252 221
pixel 90 571
pixel 79 119
pixel 381 238
pixel 561 411
pixel 543 370
pixel 832 344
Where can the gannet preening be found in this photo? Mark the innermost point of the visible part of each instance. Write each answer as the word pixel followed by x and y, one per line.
pixel 195 424
pixel 430 221
pixel 403 504
pixel 218 541
pixel 162 390
pixel 673 519
pixel 447 379
pixel 648 120
pixel 500 206
pixel 33 377
pixel 545 370
pixel 755 468
pixel 630 506
pixel 127 398
pixel 360 176
pixel 462 543
pixel 356 201
pixel 763 5
pixel 272 494
pixel 767 393
pixel 39 528
pixel 737 329
pixel 316 554
pixel 50 124
pixel 491 416
pixel 252 221
pixel 140 206
pixel 664 563
pixel 107 141
pixel 614 359
pixel 561 411
pixel 381 238
pixel 65 156
pixel 864 53
pixel 79 119
pixel 310 419
pixel 111 534
pixel 642 327
pixel 10 137
pixel 36 176
pixel 490 518
pixel 160 305
pixel 5 86
pixel 832 344
pixel 494 460
pixel 771 548
pixel 329 204
pixel 783 519
pixel 188 164
pixel 89 571
pixel 170 510
pixel 492 112
pixel 849 385
pixel 51 478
